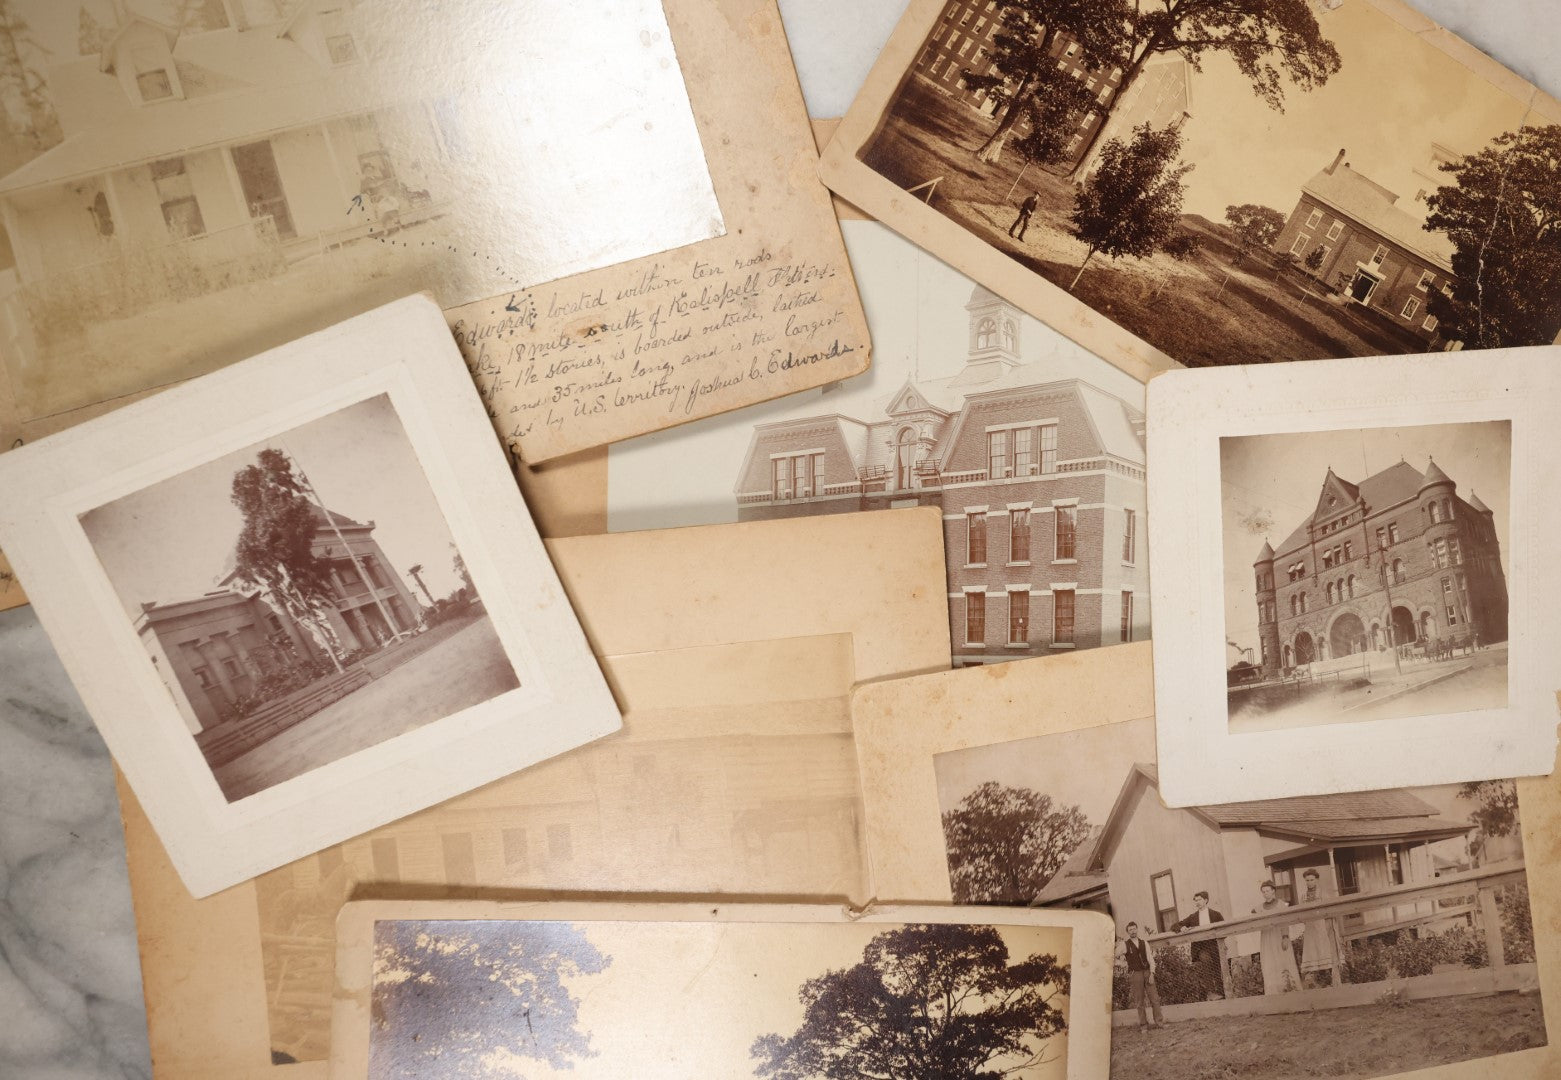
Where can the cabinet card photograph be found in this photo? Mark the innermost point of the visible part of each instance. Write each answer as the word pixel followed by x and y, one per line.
pixel 184 183
pixel 1373 531
pixel 1211 183
pixel 607 991
pixel 1348 935
pixel 1030 447
pixel 287 589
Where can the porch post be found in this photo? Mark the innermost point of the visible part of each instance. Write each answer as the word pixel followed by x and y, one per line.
pixel 1490 918
pixel 341 180
pixel 1336 939
pixel 1224 944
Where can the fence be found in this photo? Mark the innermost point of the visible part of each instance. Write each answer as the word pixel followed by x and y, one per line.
pixel 1464 933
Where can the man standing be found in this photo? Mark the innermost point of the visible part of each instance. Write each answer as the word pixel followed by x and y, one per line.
pixel 1022 222
pixel 1140 976
pixel 1205 954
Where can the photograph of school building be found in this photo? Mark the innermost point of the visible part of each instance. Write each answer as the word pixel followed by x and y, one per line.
pixel 1182 175
pixel 1041 482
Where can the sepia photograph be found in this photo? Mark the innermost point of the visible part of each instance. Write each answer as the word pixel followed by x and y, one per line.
pixel 1032 449
pixel 1229 183
pixel 1379 588
pixel 770 992
pixel 1350 935
pixel 301 599
pixel 187 182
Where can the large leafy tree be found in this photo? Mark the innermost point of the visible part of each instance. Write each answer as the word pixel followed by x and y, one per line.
pixel 274 554
pixel 1496 812
pixel 1502 212
pixel 1004 844
pixel 1255 227
pixel 1025 80
pixel 1132 204
pixel 938 1002
pixel 478 999
pixel 22 82
pixel 1272 43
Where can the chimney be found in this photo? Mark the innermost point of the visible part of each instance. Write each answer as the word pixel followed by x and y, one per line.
pixel 1329 170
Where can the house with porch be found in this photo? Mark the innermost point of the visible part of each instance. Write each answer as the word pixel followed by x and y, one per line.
pixel 208 649
pixel 1146 861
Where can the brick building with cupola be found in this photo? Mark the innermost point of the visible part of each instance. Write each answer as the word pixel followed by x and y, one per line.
pixel 1040 480
pixel 1398 559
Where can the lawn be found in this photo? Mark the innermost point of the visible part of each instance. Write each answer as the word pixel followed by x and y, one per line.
pixel 1206 310
pixel 467 668
pixel 1346 1044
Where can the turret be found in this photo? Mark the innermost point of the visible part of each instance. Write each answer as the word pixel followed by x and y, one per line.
pixel 1267 609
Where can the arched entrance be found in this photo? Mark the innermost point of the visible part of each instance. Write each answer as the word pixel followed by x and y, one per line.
pixel 1348 635
pixel 1403 626
pixel 1425 626
pixel 1376 636
pixel 1305 652
pixel 905 458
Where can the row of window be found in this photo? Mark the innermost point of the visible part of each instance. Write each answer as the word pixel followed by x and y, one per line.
pixel 1021 451
pixel 797 476
pixel 1065 536
pixel 1063 617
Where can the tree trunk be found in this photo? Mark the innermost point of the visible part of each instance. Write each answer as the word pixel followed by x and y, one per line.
pixel 1129 77
pixel 1088 255
pixel 991 151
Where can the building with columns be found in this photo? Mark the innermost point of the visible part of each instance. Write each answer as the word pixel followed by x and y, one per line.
pixel 209 649
pixel 1398 559
pixel 1041 483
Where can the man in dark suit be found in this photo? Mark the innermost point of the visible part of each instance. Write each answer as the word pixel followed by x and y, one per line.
pixel 1205 954
pixel 1140 976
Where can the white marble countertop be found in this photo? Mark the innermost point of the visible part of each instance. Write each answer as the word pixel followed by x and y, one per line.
pixel 70 989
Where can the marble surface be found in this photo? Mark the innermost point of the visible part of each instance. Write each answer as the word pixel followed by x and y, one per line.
pixel 70 992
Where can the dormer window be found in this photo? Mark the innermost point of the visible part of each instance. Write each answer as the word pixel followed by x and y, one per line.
pixel 153 80
pixel 986 334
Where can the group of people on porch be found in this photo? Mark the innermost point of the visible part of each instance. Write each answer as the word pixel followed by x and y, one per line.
pixel 1292 956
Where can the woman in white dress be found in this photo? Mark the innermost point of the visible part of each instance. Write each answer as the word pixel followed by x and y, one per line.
pixel 1279 971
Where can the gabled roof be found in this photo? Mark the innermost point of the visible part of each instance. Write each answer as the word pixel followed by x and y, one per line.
pixel 342 520
pixel 110 51
pixel 1474 502
pixel 1370 204
pixel 1395 484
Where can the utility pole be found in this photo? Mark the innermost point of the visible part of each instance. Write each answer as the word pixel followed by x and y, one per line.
pixel 1382 568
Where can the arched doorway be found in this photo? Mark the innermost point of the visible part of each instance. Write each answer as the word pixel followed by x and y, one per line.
pixel 1348 635
pixel 905 459
pixel 1425 626
pixel 1376 636
pixel 1305 652
pixel 1403 626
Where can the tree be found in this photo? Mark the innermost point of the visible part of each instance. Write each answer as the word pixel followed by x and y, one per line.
pixel 1025 80
pixel 1271 42
pixel 462 999
pixel 1497 813
pixel 458 564
pixel 1502 213
pixel 1132 205
pixel 275 550
pixel 1004 844
pixel 937 1002
pixel 90 35
pixel 1314 259
pixel 417 576
pixel 21 81
pixel 198 15
pixel 1255 227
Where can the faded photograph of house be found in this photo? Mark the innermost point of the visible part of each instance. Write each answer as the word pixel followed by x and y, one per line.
pixel 203 180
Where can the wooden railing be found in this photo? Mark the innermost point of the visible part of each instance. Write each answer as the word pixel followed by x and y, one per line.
pixel 1349 922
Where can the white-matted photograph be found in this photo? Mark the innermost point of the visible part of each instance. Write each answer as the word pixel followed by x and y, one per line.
pixel 1363 595
pixel 1380 587
pixel 302 596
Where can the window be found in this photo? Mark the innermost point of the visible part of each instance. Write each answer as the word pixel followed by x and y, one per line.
pixel 514 841
pixel 1426 278
pixel 780 481
pixel 1379 255
pixel 1327 560
pixel 1062 617
pixel 1345 870
pixel 1447 509
pixel 1410 307
pixel 937 65
pixel 1392 532
pixel 349 574
pixel 1395 866
pixel 1429 324
pixel 1435 510
pixel 1126 632
pixel 560 844
pixel 1164 890
pixel 1303 603
pixel 1295 606
pixel 1019 536
pixel 1449 600
pixel 1130 537
pixel 1335 229
pixel 975 539
pixel 154 85
pixel 986 334
pixel 1067 528
pixel 1024 451
pixel 460 858
pixel 1048 448
pixel 997 455
pixel 964 46
pixel 975 618
pixel 181 213
pixel 342 48
pixel 1350 584
pixel 1072 49
pixel 1018 618
pixel 203 676
pixel 1454 555
pixel 1299 247
pixel 1441 552
pixel 1348 555
pixel 1090 85
pixel 1398 571
pixel 1314 219
pixel 1330 592
pixel 1284 884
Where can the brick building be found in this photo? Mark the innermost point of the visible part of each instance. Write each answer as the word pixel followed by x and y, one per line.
pixel 1398 559
pixel 963 40
pixel 1041 484
pixel 1377 253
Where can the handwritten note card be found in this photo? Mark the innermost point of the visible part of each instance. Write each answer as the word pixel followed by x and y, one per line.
pixel 767 309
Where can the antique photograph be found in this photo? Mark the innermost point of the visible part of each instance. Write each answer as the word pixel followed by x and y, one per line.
pixel 1230 183
pixel 1361 595
pixel 607 991
pixel 1380 586
pixel 187 182
pixel 1032 449
pixel 1410 945
pixel 301 598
